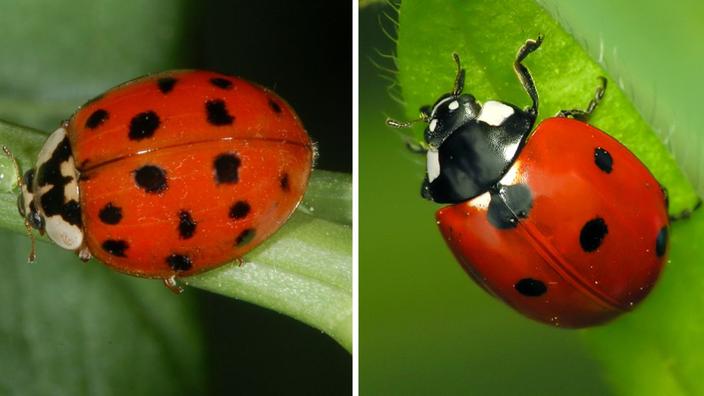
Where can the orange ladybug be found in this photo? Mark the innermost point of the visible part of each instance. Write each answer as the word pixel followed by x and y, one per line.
pixel 170 175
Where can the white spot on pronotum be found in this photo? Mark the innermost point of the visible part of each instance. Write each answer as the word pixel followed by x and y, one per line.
pixel 454 105
pixel 433 165
pixel 433 125
pixel 512 175
pixel 509 151
pixel 480 201
pixel 494 113
pixel 51 144
pixel 65 235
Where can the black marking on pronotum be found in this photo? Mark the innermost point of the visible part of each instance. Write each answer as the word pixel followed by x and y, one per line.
pixel 284 183
pixel 274 106
pixel 110 214
pixel 72 213
pixel 166 84
pixel 97 118
pixel 49 174
pixel 661 242
pixel 179 262
pixel 143 125
pixel 226 168
pixel 239 210
pixel 508 205
pixel 186 224
pixel 151 179
pixel 116 247
pixel 530 287
pixel 221 82
pixel 592 234
pixel 217 113
pixel 603 160
pixel 245 237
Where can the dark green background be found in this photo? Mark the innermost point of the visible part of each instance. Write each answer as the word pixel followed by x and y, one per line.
pixel 425 327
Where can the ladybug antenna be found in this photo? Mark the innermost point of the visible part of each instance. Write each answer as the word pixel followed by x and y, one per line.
pixel 424 117
pixel 32 252
pixel 459 77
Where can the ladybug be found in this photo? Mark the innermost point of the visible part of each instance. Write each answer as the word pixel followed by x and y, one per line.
pixel 170 174
pixel 561 222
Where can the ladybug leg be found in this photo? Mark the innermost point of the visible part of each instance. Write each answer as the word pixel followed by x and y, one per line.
pixel 524 75
pixel 413 145
pixel 84 254
pixel 685 214
pixel 172 285
pixel 583 115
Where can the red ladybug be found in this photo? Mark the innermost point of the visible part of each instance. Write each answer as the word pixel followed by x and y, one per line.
pixel 170 175
pixel 563 223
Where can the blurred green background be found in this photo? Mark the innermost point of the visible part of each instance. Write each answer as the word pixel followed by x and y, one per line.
pixel 72 329
pixel 425 327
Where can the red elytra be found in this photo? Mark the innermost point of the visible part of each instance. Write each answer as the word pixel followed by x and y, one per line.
pixel 178 172
pixel 568 190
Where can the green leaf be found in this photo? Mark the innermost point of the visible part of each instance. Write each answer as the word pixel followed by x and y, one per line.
pixel 653 349
pixel 69 328
pixel 565 75
pixel 303 271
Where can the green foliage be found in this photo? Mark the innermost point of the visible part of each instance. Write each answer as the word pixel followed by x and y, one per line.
pixel 653 349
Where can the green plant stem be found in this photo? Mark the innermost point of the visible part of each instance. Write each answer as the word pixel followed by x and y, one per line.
pixel 303 271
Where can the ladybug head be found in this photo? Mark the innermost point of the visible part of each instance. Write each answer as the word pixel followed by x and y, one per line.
pixel 450 112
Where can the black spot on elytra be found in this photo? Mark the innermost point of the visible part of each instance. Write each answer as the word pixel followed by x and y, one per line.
pixel 179 262
pixel 227 168
pixel 274 106
pixel 661 242
pixel 116 247
pixel 186 224
pixel 245 237
pixel 110 214
pixel 97 119
pixel 283 183
pixel 592 234
pixel 603 160
pixel 28 180
pixel 217 113
pixel 166 84
pixel 239 210
pixel 143 125
pixel 530 287
pixel 508 205
pixel 221 82
pixel 53 201
pixel 151 179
